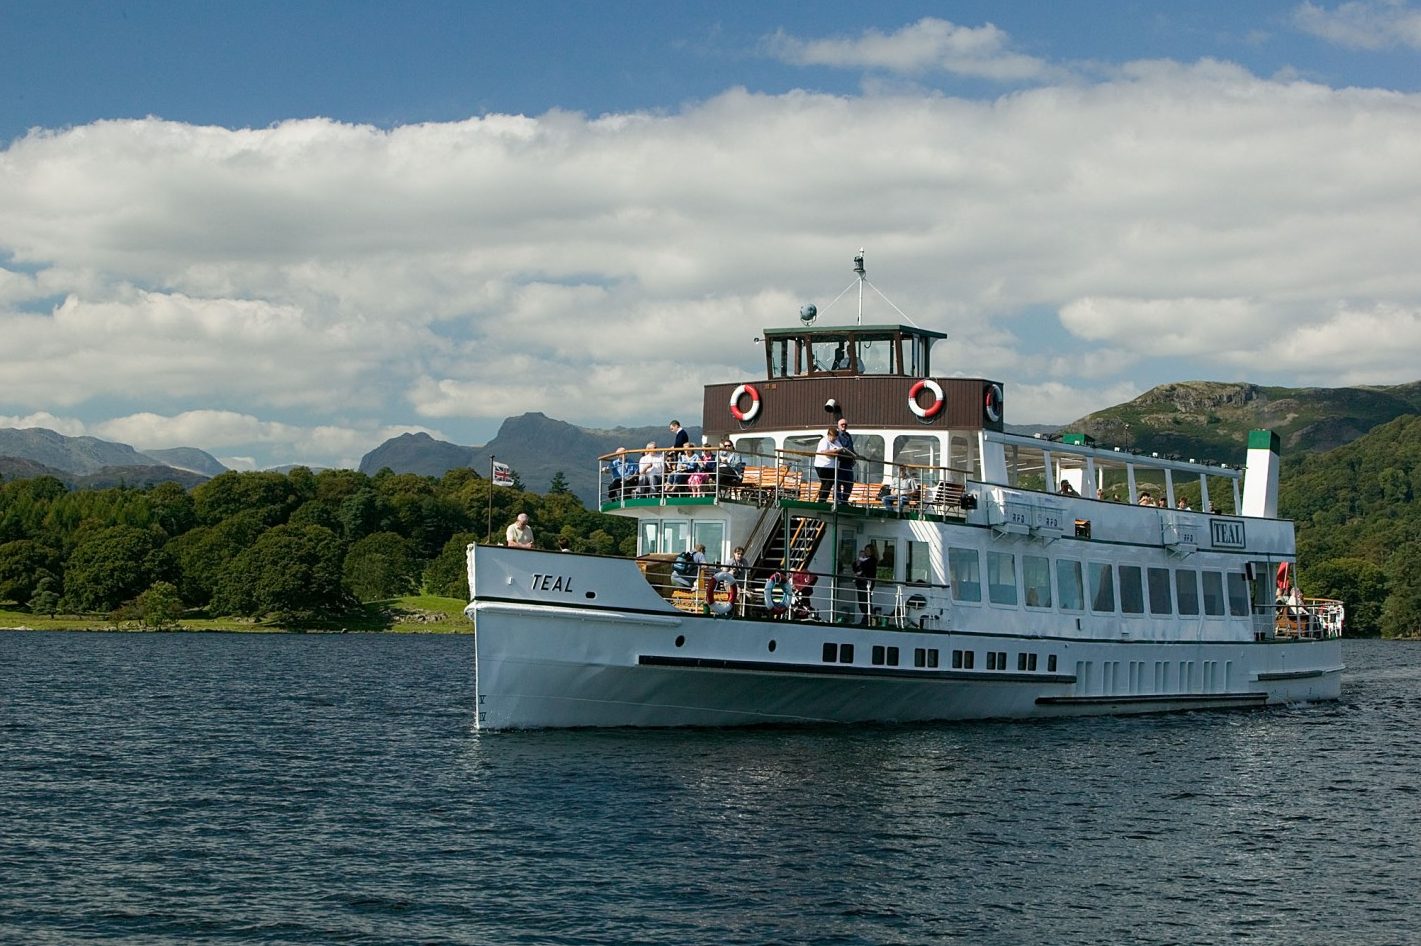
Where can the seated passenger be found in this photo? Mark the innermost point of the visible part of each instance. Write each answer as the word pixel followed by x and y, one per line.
pixel 683 570
pixel 650 471
pixel 1067 489
pixel 902 490
pixel 624 475
pixel 730 466
pixel 704 470
pixel 680 478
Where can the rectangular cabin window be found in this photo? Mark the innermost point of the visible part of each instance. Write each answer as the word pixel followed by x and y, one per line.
pixel 877 655
pixel 920 657
pixel 874 354
pixel 968 658
pixel 992 660
pixel 1186 590
pixel 917 450
pixel 830 354
pixel 1021 661
pixel 647 531
pixel 1050 663
pixel 1213 593
pixel 887 559
pixel 675 535
pixel 1132 596
pixel 1068 584
pixel 1031 662
pixel 965 567
pixel 1102 588
pixel 1001 578
pixel 756 451
pixel 1036 580
pixel 1238 594
pixel 869 448
pixel 919 562
pixel 957 660
pixel 1158 580
pixel 780 354
pixel 893 656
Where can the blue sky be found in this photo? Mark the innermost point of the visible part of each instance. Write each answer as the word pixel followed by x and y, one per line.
pixel 283 232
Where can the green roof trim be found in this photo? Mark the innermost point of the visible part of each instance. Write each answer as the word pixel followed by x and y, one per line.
pixel 832 330
pixel 1263 440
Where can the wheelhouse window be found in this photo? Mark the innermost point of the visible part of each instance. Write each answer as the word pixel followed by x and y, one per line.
pixel 756 451
pixel 874 354
pixel 830 354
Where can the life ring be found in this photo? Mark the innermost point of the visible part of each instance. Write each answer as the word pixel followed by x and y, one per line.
pixel 992 403
pixel 776 594
pixel 754 409
pixel 933 409
pixel 723 584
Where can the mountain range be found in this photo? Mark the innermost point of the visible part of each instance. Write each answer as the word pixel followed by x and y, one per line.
pixel 88 462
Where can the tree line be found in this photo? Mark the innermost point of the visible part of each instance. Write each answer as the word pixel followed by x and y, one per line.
pixel 287 547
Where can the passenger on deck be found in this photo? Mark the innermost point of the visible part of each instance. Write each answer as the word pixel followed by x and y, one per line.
pixel 686 467
pixel 624 475
pixel 650 471
pixel 1183 504
pixel 683 570
pixel 901 491
pixel 519 535
pixel 703 469
pixel 845 486
pixel 739 565
pixel 865 571
pixel 1067 489
pixel 730 466
pixel 826 462
pixel 1146 499
pixel 679 436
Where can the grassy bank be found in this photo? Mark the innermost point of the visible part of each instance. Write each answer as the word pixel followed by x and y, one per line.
pixel 417 614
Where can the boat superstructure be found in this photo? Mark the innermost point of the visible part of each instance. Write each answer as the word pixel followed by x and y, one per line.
pixel 963 571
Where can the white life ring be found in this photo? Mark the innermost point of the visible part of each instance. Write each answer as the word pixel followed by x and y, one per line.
pixel 933 409
pixel 992 403
pixel 723 582
pixel 754 409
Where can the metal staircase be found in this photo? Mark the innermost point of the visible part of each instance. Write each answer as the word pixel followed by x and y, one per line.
pixel 802 539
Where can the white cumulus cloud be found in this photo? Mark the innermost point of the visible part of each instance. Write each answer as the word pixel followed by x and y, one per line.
pixel 1362 24
pixel 929 45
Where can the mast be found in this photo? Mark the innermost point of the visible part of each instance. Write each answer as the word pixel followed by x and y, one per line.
pixel 858 268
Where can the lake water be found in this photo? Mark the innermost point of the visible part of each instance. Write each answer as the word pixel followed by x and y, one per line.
pixel 209 788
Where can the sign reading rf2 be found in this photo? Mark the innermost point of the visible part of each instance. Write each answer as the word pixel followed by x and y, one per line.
pixel 1227 533
pixel 561 583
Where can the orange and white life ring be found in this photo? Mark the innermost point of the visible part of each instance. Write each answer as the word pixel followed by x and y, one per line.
pixel 933 409
pixel 752 411
pixel 992 403
pixel 723 592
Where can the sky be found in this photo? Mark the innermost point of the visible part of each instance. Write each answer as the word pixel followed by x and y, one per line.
pixel 284 232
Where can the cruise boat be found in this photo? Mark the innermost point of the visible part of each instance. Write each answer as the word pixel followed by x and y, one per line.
pixel 963 572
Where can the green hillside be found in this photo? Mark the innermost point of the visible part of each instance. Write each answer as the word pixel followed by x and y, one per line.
pixel 1211 420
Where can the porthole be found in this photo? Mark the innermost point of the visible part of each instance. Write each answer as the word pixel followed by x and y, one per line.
pixel 589 595
pixel 772 647
pixel 680 639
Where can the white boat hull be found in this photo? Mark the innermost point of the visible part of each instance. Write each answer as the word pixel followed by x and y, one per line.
pixel 571 641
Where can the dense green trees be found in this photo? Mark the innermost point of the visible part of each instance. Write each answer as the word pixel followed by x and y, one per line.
pixel 269 545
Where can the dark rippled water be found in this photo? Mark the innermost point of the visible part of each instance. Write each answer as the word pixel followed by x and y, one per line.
pixel 186 789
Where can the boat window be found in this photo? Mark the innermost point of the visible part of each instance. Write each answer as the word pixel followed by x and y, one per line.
pixel 1159 591
pixel 887 559
pixel 1238 594
pixel 675 536
pixel 1132 596
pixel 1213 593
pixel 646 537
pixel 875 354
pixel 756 451
pixel 966 574
pixel 915 350
pixel 869 448
pixel 711 534
pixel 780 364
pixel 801 446
pixel 1186 588
pixel 919 562
pixel 830 354
pixel 1068 584
pixel 1102 588
pixel 963 453
pixel 1036 580
pixel 919 451
pixel 1001 577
